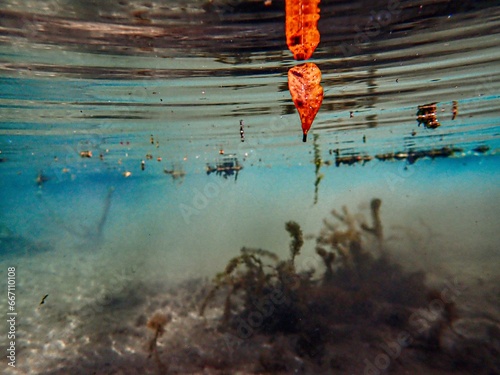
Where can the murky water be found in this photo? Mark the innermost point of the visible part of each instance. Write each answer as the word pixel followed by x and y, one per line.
pixel 125 187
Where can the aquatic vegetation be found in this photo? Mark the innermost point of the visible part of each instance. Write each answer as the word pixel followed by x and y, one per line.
pixel 267 295
pixel 157 323
pixel 317 164
pixel 260 277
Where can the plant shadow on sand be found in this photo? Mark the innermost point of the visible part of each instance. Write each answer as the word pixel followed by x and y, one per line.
pixel 360 313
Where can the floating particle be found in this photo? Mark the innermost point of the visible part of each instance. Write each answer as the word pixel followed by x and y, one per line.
pixel 242 132
pixel 307 94
pixel 127 174
pixel 482 149
pixel 454 110
pixel 301 24
pixel 41 179
pixel 426 115
pixel 86 154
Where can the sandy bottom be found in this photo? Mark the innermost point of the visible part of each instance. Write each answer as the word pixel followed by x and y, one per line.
pixel 95 321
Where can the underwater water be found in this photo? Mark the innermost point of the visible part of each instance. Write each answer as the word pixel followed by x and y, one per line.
pixel 125 188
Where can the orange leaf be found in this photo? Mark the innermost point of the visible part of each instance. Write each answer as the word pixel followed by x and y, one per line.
pixel 301 24
pixel 307 94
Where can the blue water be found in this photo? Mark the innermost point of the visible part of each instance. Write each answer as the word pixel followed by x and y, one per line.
pixel 155 93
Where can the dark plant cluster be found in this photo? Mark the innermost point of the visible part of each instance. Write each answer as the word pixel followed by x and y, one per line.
pixel 267 295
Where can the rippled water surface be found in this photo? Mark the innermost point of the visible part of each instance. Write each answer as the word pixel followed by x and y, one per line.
pixel 115 115
pixel 189 72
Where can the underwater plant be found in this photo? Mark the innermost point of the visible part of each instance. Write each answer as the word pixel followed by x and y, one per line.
pixel 268 288
pixel 317 164
pixel 157 324
pixel 362 300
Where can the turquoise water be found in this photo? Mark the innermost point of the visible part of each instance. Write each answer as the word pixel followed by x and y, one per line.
pixel 155 93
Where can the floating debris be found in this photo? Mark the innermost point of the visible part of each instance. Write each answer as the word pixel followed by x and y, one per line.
pixel 304 83
pixel 384 157
pixel 454 110
pixel 301 25
pixel 226 167
pixel 43 299
pixel 481 149
pixel 41 179
pixel 412 156
pixel 351 159
pixel 400 155
pixel 426 115
pixel 176 173
pixel 242 132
